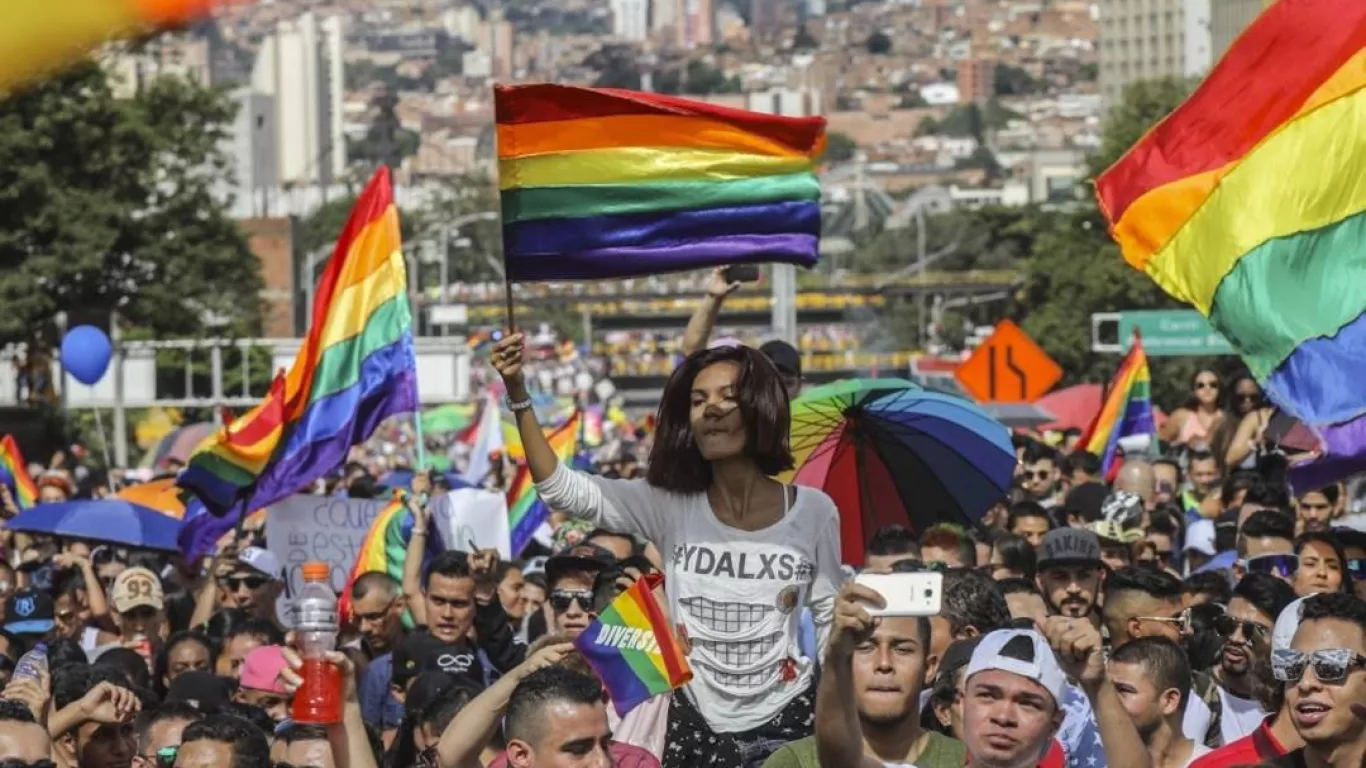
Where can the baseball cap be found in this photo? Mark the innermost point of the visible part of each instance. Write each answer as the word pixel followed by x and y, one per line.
pixel 1124 508
pixel 261 669
pixel 1022 652
pixel 201 689
pixel 261 560
pixel 784 356
pixel 1069 546
pixel 1283 632
pixel 136 587
pixel 957 655
pixel 1200 537
pixel 1112 531
pixel 581 557
pixel 421 652
pixel 29 612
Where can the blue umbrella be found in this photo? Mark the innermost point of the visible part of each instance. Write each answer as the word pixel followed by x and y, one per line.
pixel 110 520
pixel 890 452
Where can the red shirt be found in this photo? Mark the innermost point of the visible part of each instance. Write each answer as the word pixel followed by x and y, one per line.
pixel 1251 749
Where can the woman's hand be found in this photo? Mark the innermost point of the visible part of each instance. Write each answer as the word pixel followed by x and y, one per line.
pixel 507 359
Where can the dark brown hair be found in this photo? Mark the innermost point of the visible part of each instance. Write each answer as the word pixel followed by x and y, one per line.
pixel 675 463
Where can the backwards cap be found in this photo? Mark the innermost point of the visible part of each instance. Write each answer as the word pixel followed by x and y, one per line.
pixel 1003 649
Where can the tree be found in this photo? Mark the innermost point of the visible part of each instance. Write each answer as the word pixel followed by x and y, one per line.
pixel 879 44
pixel 804 40
pixel 1014 81
pixel 111 204
pixel 387 142
pixel 839 148
pixel 1076 270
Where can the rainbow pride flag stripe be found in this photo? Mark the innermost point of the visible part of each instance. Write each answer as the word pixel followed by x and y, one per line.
pixel 632 648
pixel 14 473
pixel 1126 412
pixel 526 511
pixel 600 182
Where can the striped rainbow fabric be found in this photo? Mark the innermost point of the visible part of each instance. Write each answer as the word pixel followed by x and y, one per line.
pixel 1126 412
pixel 526 511
pixel 38 38
pixel 1248 203
pixel 611 183
pixel 633 649
pixel 355 369
pixel 385 548
pixel 14 473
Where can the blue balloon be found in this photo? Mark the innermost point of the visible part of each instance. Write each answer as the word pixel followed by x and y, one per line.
pixel 85 353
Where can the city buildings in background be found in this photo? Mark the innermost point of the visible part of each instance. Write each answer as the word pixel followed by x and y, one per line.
pixel 300 66
pixel 1228 19
pixel 1149 39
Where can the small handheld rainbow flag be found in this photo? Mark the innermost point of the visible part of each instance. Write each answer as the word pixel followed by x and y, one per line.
pixel 385 548
pixel 14 473
pixel 600 182
pixel 526 511
pixel 1126 412
pixel 1228 205
pixel 632 648
pixel 355 369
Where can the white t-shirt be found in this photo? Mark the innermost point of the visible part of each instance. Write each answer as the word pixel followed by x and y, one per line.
pixel 736 594
pixel 1240 716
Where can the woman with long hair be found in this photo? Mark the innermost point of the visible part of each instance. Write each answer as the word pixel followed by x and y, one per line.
pixel 743 552
pixel 1193 424
pixel 1237 441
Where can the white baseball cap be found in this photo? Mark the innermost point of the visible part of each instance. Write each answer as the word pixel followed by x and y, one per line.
pixel 1039 666
pixel 261 559
pixel 1286 624
pixel 1200 537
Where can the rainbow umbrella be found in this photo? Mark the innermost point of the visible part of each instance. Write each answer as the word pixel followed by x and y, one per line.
pixel 889 452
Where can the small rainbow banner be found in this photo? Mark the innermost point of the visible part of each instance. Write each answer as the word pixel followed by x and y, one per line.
pixel 526 511
pixel 385 548
pixel 37 38
pixel 601 182
pixel 1127 411
pixel 14 473
pixel 355 369
pixel 632 648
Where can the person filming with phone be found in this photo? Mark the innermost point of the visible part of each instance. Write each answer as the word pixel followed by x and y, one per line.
pixel 743 553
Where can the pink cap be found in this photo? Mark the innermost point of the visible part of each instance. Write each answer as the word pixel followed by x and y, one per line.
pixel 261 669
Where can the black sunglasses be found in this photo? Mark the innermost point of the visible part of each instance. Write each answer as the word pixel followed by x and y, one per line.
pixel 561 599
pixel 1227 626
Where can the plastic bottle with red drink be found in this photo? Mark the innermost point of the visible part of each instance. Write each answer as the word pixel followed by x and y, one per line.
pixel 319 698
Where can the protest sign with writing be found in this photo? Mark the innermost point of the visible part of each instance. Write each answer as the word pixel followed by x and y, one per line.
pixel 472 515
pixel 330 529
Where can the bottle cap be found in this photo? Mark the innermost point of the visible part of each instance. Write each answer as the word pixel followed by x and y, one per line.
pixel 317 571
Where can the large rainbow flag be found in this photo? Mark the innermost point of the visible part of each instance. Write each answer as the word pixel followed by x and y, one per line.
pixel 526 511
pixel 1126 412
pixel 385 548
pixel 355 369
pixel 632 648
pixel 39 37
pixel 14 473
pixel 1248 203
pixel 599 182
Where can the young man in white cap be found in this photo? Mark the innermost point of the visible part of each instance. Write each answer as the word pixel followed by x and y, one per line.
pixel 251 580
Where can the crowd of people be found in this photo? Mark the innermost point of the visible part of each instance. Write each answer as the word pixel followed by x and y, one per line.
pixel 1188 611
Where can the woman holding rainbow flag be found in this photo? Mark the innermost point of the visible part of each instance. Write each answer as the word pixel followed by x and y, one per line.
pixel 743 552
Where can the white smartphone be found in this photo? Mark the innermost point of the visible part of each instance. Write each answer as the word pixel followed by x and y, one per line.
pixel 907 594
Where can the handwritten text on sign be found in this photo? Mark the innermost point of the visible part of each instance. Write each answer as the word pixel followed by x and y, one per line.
pixel 303 528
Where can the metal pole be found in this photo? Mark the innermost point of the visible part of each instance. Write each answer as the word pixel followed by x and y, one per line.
pixel 120 412
pixel 920 271
pixel 443 269
pixel 216 377
pixel 784 280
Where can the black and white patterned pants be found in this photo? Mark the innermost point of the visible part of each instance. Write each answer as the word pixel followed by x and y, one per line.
pixel 691 744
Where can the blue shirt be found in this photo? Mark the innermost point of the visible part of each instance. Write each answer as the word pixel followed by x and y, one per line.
pixel 378 705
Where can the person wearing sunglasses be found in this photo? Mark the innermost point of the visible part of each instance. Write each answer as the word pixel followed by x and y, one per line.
pixel 22 739
pixel 1141 602
pixel 1325 675
pixel 1245 627
pixel 1354 549
pixel 572 577
pixel 1265 544
pixel 253 583
pixel 158 733
pixel 1193 424
pixel 1041 474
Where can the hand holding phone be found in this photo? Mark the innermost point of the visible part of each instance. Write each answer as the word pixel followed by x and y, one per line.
pixel 906 594
pixel 741 273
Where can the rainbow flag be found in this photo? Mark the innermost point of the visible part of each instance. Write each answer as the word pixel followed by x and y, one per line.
pixel 526 511
pixel 385 548
pixel 14 473
pixel 632 648
pixel 1246 203
pixel 1126 412
pixel 355 369
pixel 38 38
pixel 600 182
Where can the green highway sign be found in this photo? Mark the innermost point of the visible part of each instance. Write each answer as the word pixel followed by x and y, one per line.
pixel 1166 333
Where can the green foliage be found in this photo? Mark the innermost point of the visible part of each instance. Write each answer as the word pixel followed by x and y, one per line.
pixel 804 40
pixel 109 203
pixel 879 44
pixel 839 148
pixel 969 120
pixel 387 142
pixel 983 159
pixel 1014 81
pixel 1145 103
pixel 697 78
pixel 616 66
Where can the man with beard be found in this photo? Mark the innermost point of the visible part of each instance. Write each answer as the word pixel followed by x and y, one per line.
pixel 377 604
pixel 1153 679
pixel 1071 573
pixel 867 707
pixel 1041 474
pixel 1325 682
pixel 1316 510
pixel 1257 600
